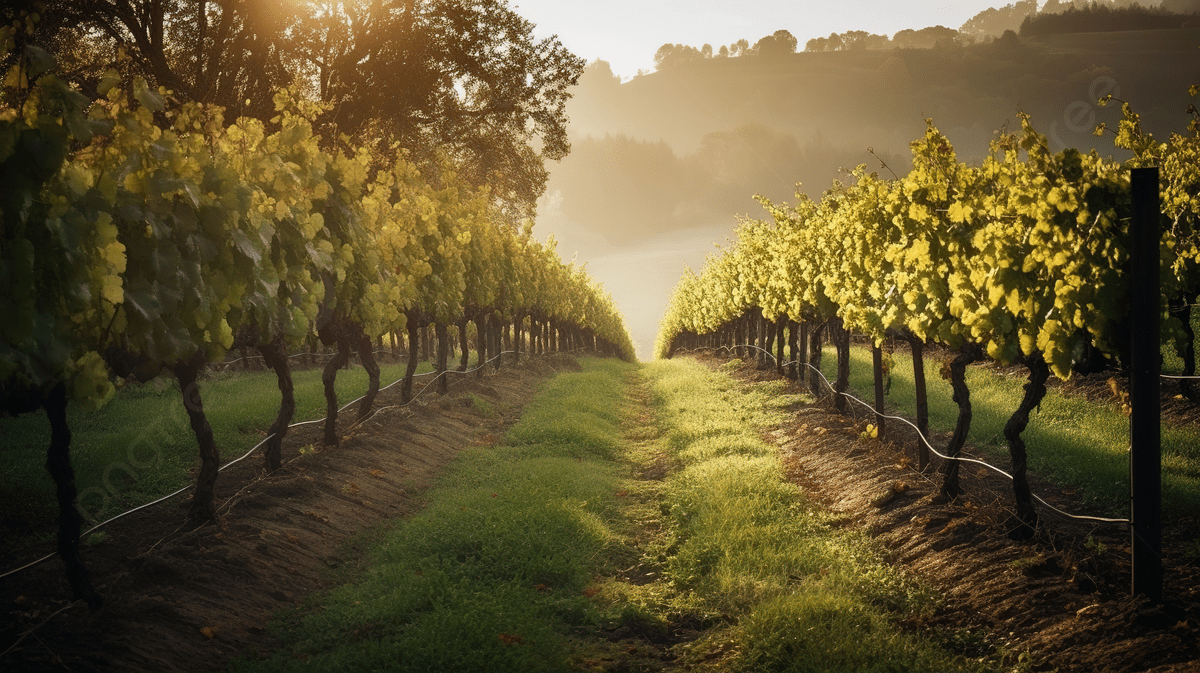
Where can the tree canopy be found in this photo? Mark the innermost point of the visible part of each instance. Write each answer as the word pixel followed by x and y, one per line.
pixel 457 80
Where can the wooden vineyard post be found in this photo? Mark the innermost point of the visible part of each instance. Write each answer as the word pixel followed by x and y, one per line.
pixel 1145 460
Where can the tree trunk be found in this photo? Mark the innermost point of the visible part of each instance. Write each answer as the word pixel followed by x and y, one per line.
pixel 814 359
pixel 481 344
pixel 443 355
pixel 58 464
pixel 780 343
pixel 918 358
pixel 465 357
pixel 276 358
pixel 367 358
pixel 203 507
pixel 1183 308
pixel 764 347
pixel 497 342
pixel 328 378
pixel 414 340
pixel 951 488
pixel 841 341
pixel 1035 390
pixel 793 348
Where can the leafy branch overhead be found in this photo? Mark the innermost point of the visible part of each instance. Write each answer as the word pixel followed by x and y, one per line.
pixel 452 79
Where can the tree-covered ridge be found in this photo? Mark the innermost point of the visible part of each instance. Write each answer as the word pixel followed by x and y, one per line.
pixel 1023 17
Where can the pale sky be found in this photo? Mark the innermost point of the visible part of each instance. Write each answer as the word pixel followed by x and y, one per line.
pixel 626 33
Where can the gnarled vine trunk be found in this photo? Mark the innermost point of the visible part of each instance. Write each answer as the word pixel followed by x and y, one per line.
pixel 841 341
pixel 276 358
pixel 918 359
pixel 329 377
pixel 443 355
pixel 482 341
pixel 814 359
pixel 414 343
pixel 951 488
pixel 58 464
pixel 367 357
pixel 203 507
pixel 1035 390
pixel 465 348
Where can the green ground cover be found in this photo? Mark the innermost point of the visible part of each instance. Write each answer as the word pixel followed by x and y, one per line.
pixel 612 515
pixel 491 576
pixel 1079 444
pixel 140 446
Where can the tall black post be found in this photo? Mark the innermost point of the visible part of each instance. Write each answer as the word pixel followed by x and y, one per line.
pixel 1145 460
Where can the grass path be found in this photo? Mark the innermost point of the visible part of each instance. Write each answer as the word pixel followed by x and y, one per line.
pixel 631 520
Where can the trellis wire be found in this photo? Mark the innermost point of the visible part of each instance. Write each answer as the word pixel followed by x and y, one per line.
pixel 264 441
pixel 923 439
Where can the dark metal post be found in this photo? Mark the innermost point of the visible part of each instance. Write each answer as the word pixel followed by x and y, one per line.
pixel 877 362
pixel 1145 460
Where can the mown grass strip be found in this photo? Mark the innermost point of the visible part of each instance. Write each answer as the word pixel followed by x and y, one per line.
pixel 785 590
pixel 140 446
pixel 492 575
pixel 1071 441
pixel 620 529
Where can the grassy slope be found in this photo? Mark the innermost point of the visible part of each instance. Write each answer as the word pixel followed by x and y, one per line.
pixel 1071 441
pixel 522 560
pixel 140 446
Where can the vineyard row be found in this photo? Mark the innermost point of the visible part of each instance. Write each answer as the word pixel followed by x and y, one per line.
pixel 141 237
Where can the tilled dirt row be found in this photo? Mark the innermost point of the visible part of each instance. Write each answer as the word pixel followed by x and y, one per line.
pixel 180 599
pixel 1056 597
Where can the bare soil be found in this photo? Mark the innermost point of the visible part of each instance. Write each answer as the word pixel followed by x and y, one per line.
pixel 1065 602
pixel 182 598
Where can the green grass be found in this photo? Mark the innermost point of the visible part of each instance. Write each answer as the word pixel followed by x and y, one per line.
pixel 140 446
pixel 785 589
pixel 491 576
pixel 521 560
pixel 1071 441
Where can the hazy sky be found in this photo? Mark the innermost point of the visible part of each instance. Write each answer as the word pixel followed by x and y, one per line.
pixel 626 33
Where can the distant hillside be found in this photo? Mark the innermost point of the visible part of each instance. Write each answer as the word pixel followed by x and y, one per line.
pixel 1096 18
pixel 731 127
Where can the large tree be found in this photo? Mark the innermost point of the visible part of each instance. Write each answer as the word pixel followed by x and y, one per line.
pixel 463 80
pixel 464 77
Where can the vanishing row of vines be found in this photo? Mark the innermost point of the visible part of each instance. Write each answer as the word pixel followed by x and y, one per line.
pixel 140 236
pixel 1023 258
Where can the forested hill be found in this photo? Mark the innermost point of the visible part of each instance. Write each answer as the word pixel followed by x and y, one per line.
pixel 736 126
